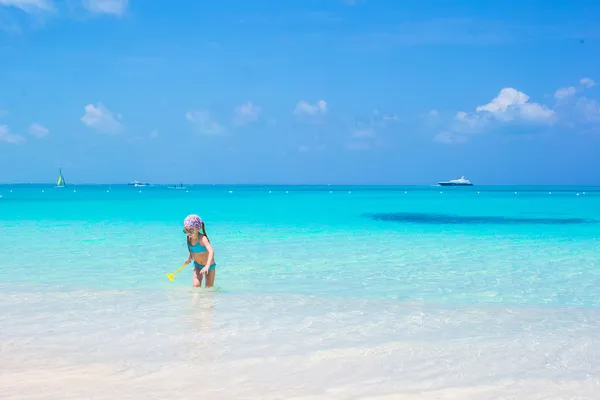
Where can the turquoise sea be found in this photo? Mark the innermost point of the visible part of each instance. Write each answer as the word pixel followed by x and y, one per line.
pixel 321 292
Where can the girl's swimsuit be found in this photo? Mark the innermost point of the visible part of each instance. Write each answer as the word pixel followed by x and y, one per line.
pixel 198 248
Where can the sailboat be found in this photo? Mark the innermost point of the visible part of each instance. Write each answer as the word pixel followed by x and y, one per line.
pixel 61 181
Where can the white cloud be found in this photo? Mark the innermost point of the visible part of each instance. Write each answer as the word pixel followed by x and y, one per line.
pixel 536 112
pixel 581 111
pixel 204 122
pixel 305 108
pixel 100 118
pixel 246 113
pixel 154 134
pixel 114 7
pixel 506 98
pixel 588 110
pixel 564 93
pixel 470 123
pixel 587 82
pixel 29 6
pixel 8 137
pixel 38 130
pixel 512 108
pixel 510 105
pixel 434 113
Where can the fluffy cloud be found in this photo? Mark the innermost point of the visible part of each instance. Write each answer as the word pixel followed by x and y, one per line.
pixel 305 108
pixel 587 82
pixel 7 137
pixel 101 119
pixel 588 110
pixel 512 108
pixel 580 111
pixel 564 93
pixel 246 113
pixel 29 6
pixel 114 7
pixel 510 105
pixel 38 130
pixel 204 122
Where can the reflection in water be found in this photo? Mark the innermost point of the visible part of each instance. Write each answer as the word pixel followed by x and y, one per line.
pixel 202 306
pixel 203 338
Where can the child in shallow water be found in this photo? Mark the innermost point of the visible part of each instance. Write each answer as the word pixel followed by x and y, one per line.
pixel 201 251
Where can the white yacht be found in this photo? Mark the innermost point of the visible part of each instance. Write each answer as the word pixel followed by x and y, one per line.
pixel 138 184
pixel 456 182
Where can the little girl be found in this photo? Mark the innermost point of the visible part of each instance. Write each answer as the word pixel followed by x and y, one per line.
pixel 201 251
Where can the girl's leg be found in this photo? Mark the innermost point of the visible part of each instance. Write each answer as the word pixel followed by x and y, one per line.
pixel 210 278
pixel 197 277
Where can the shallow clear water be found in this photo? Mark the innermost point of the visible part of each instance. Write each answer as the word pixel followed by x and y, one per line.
pixel 338 292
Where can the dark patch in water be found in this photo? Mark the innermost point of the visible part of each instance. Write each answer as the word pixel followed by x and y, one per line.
pixel 434 219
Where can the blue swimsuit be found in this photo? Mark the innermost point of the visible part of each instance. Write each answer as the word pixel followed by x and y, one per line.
pixel 198 248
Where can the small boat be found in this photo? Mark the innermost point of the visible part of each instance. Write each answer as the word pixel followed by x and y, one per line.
pixel 180 186
pixel 60 183
pixel 456 182
pixel 138 184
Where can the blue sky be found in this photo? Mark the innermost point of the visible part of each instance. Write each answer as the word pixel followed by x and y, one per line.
pixel 328 91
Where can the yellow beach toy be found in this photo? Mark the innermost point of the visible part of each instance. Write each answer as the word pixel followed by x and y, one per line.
pixel 170 276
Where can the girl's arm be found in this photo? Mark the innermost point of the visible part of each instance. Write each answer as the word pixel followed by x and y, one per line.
pixel 211 253
pixel 189 259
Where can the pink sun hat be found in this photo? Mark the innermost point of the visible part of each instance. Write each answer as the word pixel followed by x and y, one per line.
pixel 192 221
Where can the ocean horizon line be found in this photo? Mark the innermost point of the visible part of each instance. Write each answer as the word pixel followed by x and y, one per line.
pixel 291 185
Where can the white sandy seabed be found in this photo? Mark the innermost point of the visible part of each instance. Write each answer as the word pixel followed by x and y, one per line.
pixel 184 344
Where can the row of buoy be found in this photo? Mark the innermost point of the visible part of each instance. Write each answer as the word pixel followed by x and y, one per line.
pixel 331 191
pixel 406 192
